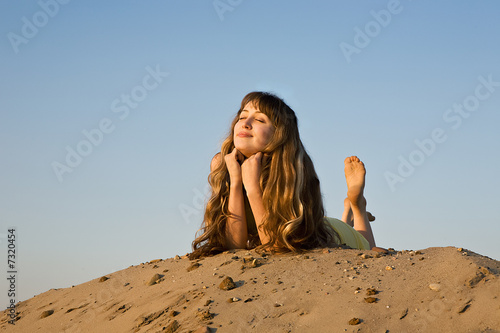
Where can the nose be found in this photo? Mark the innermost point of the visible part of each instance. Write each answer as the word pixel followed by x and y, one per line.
pixel 247 124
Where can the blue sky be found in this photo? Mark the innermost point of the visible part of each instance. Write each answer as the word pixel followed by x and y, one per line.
pixel 161 80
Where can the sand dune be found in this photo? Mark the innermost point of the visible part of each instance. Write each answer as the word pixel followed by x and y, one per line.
pixel 326 290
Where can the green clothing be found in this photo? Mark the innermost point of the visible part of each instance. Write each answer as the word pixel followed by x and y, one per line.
pixel 348 235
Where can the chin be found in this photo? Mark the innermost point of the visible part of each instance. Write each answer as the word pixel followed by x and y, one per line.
pixel 247 152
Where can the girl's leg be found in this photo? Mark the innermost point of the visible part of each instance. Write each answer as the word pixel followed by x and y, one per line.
pixel 347 214
pixel 355 177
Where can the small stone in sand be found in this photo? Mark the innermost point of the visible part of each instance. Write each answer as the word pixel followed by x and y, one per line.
pixel 255 263
pixel 173 313
pixel 354 321
pixel 371 291
pixel 462 308
pixel 172 327
pixel 247 259
pixel 103 278
pixel 207 303
pixel 154 279
pixel 193 266
pixel 371 300
pixel 389 268
pixel 435 286
pixel 46 313
pixel 204 314
pixel 227 284
pixel 475 280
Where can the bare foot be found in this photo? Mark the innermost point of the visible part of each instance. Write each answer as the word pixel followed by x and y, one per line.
pixel 355 177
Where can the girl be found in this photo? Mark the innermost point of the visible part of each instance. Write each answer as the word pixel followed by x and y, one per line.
pixel 265 191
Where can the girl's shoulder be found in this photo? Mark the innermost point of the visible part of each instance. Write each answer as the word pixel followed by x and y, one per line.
pixel 215 161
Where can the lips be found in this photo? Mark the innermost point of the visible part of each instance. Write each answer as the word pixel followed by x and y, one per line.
pixel 243 135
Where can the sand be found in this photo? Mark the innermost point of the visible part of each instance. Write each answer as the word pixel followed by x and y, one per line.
pixel 325 290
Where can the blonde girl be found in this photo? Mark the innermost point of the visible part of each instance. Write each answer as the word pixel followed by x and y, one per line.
pixel 265 191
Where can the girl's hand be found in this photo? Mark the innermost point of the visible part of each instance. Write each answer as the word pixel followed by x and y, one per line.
pixel 250 173
pixel 233 163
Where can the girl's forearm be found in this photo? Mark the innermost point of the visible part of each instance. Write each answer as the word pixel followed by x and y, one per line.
pixel 236 227
pixel 255 199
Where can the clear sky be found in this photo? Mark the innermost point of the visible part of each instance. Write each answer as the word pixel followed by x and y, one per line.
pixel 111 111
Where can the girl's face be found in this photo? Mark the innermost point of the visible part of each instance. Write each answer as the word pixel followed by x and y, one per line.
pixel 253 131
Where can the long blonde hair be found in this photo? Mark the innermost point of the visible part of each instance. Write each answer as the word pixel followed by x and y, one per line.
pixel 294 213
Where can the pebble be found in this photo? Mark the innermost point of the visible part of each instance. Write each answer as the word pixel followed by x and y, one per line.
pixel 435 286
pixel 389 268
pixel 371 291
pixel 204 314
pixel 172 327
pixel 462 308
pixel 154 279
pixel 476 279
pixel 193 266
pixel 46 313
pixel 247 258
pixel 103 278
pixel 227 284
pixel 256 263
pixel 354 321
pixel 371 300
